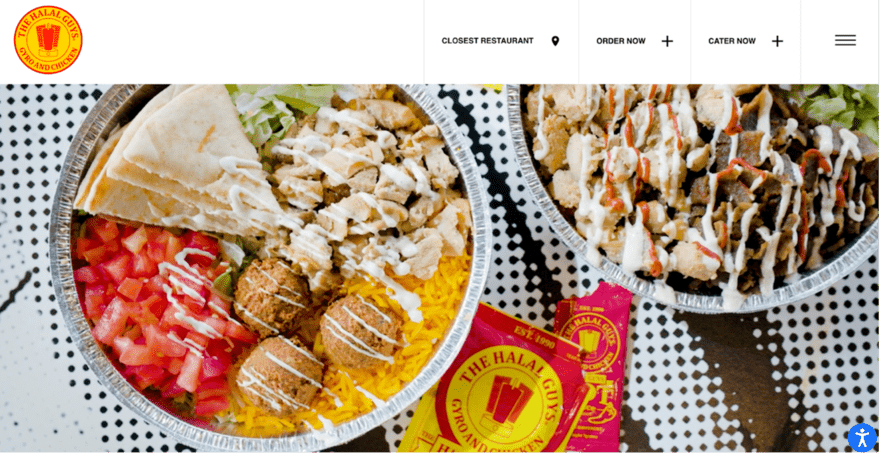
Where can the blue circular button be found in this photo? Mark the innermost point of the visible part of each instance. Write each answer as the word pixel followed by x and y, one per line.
pixel 862 437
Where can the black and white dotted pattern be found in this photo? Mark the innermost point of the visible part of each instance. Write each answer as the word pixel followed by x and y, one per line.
pixel 794 378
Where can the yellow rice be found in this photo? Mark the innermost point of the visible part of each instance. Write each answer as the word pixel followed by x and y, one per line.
pixel 440 295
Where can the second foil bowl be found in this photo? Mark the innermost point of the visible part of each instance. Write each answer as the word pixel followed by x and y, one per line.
pixel 807 285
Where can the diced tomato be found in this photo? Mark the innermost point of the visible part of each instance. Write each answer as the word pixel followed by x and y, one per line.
pixel 236 330
pixel 214 322
pixel 94 303
pixel 194 304
pixel 136 240
pixel 136 355
pixel 208 407
pixel 212 367
pixel 195 338
pixel 97 255
pixel 105 229
pixel 88 274
pixel 212 387
pixel 163 238
pixel 112 322
pixel 130 288
pixel 118 268
pixel 155 251
pixel 83 245
pixel 198 240
pixel 175 245
pixel 156 284
pixel 153 232
pixel 218 305
pixel 145 325
pixel 159 343
pixel 175 365
pixel 172 389
pixel 142 265
pixel 135 333
pixel 146 375
pixel 188 378
pixel 152 308
pixel 121 344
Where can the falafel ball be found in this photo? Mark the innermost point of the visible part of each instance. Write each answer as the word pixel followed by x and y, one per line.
pixel 357 334
pixel 280 376
pixel 269 297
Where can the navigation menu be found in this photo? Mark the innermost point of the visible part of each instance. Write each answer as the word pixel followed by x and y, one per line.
pixel 635 41
pixel 824 59
pixel 492 41
pixel 730 44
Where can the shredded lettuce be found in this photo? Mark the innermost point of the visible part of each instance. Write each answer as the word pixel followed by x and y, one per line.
pixel 852 107
pixel 266 111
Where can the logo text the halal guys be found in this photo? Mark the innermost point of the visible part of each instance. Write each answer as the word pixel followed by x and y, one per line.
pixel 48 39
pixel 504 398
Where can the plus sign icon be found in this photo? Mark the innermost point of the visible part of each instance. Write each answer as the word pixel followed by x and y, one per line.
pixel 862 437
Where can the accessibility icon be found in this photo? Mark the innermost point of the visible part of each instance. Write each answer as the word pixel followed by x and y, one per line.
pixel 862 437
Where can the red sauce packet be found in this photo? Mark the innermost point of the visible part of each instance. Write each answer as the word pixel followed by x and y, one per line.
pixel 598 323
pixel 512 387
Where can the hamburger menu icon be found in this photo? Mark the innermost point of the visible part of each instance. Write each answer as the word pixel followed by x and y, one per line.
pixel 507 400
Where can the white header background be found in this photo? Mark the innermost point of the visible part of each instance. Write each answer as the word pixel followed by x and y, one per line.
pixel 345 41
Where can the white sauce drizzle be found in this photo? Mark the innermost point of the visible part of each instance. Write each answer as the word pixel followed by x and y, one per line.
pixel 289 368
pixel 353 342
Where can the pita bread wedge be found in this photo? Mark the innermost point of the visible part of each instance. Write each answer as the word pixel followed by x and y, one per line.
pixel 98 166
pixel 122 170
pixel 108 196
pixel 197 148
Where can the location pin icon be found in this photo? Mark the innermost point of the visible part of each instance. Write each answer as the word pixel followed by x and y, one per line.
pixel 555 40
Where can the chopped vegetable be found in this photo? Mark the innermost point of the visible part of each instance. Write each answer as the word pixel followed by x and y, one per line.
pixel 223 283
pixel 150 294
pixel 852 107
pixel 265 110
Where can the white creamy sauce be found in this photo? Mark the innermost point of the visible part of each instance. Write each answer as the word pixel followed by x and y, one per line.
pixel 663 292
pixel 326 423
pixel 275 281
pixel 336 400
pixel 237 166
pixel 301 350
pixel 374 308
pixel 253 317
pixel 376 401
pixel 369 327
pixel 398 177
pixel 276 295
pixel 542 139
pixel 282 148
pixel 423 186
pixel 353 341
pixel 256 384
pixel 409 301
pixel 290 368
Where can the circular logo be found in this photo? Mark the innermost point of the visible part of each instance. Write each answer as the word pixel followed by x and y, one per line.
pixel 511 402
pixel 598 336
pixel 48 39
pixel 861 437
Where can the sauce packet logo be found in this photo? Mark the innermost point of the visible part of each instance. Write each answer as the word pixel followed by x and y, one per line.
pixel 598 323
pixel 512 387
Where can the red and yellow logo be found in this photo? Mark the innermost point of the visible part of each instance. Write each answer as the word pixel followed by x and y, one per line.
pixel 598 336
pixel 504 398
pixel 48 39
